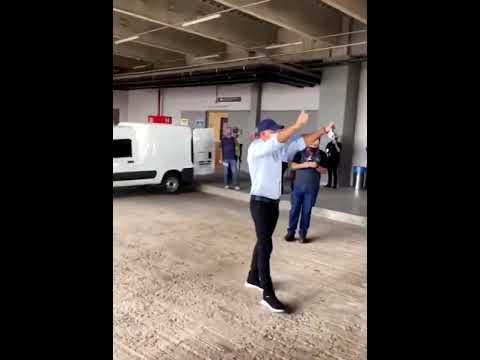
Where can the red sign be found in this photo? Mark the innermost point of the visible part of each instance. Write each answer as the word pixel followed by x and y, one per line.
pixel 159 119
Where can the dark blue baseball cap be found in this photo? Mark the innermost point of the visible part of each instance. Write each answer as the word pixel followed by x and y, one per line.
pixel 268 124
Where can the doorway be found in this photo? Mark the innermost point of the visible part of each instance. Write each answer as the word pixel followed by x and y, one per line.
pixel 218 121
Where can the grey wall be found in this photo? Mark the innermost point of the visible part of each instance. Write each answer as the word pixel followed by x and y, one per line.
pixel 193 116
pixel 349 124
pixel 120 102
pixel 338 103
pixel 360 142
pixel 142 104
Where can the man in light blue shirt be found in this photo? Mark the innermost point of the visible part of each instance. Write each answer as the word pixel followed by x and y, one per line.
pixel 272 144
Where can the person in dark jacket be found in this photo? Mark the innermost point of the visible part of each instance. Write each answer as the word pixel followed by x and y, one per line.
pixel 307 165
pixel 229 160
pixel 333 151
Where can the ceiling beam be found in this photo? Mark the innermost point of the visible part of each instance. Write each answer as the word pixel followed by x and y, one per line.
pixel 126 62
pixel 148 54
pixel 125 26
pixel 139 16
pixel 287 57
pixel 156 46
pixel 357 9
pixel 303 17
pixel 230 29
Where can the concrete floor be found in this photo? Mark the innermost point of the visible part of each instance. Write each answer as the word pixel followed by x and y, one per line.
pixel 344 199
pixel 180 263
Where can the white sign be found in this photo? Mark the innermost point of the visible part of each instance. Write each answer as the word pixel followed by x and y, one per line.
pixel 184 122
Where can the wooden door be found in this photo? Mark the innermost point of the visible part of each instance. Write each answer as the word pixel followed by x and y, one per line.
pixel 217 121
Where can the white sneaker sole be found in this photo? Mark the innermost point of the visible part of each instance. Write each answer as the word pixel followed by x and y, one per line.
pixel 247 285
pixel 264 303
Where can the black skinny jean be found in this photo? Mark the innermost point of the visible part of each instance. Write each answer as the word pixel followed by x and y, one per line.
pixel 265 216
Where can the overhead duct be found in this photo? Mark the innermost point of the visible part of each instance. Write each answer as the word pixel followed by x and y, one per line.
pixel 279 73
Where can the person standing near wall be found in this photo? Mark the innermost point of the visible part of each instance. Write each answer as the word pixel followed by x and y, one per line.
pixel 229 160
pixel 333 150
pixel 264 159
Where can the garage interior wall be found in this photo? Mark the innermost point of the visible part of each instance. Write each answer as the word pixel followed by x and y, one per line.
pixel 194 116
pixel 141 104
pixel 203 98
pixel 360 142
pixel 120 102
pixel 330 101
pixel 284 97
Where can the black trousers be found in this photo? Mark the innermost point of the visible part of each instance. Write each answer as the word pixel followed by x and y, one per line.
pixel 265 216
pixel 332 174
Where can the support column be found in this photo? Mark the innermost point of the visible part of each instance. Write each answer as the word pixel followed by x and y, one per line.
pixel 256 103
pixel 254 118
pixel 338 103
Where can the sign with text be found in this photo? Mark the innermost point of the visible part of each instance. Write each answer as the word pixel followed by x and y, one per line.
pixel 229 99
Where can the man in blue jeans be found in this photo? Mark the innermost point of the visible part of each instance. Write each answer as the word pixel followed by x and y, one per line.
pixel 306 165
pixel 229 160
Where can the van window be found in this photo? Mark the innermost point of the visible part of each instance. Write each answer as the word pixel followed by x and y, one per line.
pixel 122 148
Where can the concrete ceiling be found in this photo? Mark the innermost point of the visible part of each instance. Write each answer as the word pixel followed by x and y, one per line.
pixel 244 29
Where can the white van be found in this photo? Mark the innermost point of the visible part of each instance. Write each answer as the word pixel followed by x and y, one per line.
pixel 161 155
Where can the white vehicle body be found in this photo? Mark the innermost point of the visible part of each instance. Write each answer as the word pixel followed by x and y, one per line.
pixel 160 154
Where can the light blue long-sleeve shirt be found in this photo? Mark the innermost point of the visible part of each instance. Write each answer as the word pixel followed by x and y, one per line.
pixel 288 157
pixel 265 164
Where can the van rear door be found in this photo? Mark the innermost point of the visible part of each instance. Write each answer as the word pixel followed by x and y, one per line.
pixel 203 151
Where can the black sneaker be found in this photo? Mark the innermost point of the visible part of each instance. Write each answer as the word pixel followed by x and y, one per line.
pixel 289 237
pixel 272 303
pixel 326 186
pixel 302 239
pixel 253 282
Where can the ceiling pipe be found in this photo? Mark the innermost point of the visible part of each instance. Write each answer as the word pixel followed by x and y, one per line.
pixel 258 57
pixel 271 73
pixel 236 72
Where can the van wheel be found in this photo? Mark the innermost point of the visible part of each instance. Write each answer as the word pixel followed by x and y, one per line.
pixel 171 183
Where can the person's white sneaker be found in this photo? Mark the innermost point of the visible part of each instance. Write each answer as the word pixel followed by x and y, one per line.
pixel 272 303
pixel 237 188
pixel 227 187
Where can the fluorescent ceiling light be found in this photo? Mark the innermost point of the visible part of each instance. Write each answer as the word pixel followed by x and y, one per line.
pixel 202 19
pixel 131 38
pixel 206 57
pixel 283 45
pixel 140 66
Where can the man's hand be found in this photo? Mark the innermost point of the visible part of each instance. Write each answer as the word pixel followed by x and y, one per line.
pixel 321 170
pixel 330 127
pixel 311 164
pixel 302 120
